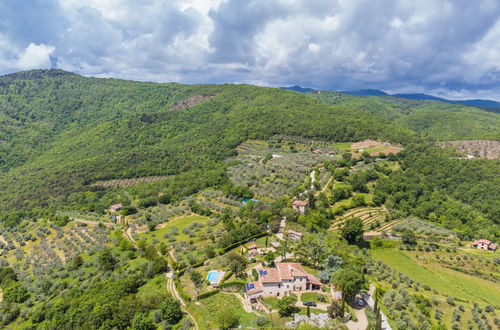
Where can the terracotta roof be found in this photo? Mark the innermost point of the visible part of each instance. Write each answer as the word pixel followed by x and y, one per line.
pixel 254 287
pixel 493 246
pixel 116 207
pixel 270 275
pixel 289 270
pixel 485 241
pixel 313 280
pixel 251 246
pixel 300 203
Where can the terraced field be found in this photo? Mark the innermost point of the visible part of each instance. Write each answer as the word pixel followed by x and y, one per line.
pixel 373 219
pixel 445 281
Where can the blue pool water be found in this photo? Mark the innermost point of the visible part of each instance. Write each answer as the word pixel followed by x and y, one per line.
pixel 212 276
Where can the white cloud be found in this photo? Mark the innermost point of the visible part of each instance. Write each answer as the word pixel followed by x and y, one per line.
pixel 434 45
pixel 35 57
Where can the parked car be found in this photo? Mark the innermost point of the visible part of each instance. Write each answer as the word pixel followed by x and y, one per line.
pixel 310 303
pixel 360 302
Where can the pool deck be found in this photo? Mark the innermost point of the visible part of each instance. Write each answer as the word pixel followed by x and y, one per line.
pixel 220 276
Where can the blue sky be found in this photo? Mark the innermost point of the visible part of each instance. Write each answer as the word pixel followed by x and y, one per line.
pixel 446 48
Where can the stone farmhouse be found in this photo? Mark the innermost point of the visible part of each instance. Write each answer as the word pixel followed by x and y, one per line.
pixel 484 244
pixel 115 208
pixel 286 278
pixel 300 206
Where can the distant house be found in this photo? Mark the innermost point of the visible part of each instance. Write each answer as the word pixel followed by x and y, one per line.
pixel 248 200
pixel 292 234
pixel 115 208
pixel 300 206
pixel 317 151
pixel 275 244
pixel 252 249
pixel 484 244
pixel 286 278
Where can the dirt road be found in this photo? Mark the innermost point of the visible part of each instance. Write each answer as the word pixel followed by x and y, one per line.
pixel 92 223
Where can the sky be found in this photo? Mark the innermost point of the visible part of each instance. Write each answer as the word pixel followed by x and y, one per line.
pixel 445 48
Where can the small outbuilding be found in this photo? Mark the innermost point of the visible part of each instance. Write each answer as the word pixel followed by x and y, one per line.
pixel 300 206
pixel 115 208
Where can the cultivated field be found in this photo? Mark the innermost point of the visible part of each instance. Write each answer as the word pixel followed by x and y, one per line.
pixel 446 281
pixel 475 148
pixel 271 171
pixel 374 219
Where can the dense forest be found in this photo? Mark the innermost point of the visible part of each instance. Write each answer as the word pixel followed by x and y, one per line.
pixel 436 120
pixel 438 186
pixel 62 132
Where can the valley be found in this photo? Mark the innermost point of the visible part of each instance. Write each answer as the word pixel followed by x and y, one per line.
pixel 169 206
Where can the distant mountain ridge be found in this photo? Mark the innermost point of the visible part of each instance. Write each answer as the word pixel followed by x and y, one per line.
pixel 299 89
pixel 412 96
pixel 425 97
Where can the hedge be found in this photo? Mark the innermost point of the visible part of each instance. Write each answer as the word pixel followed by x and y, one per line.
pixel 227 248
pixel 196 265
pixel 180 289
pixel 238 284
pixel 227 276
pixel 207 294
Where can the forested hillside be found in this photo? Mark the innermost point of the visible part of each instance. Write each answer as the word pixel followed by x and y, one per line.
pixel 62 132
pixel 434 184
pixel 438 120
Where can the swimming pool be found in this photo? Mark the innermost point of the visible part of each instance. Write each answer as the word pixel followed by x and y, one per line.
pixel 213 276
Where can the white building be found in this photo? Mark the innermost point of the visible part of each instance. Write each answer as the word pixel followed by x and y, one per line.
pixel 286 278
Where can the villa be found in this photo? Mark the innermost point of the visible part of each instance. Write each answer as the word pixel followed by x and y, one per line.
pixel 286 278
pixel 484 244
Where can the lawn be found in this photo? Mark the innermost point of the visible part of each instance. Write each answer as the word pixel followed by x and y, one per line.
pixel 444 280
pixel 261 242
pixel 313 296
pixel 180 223
pixel 342 145
pixel 206 311
pixel 157 284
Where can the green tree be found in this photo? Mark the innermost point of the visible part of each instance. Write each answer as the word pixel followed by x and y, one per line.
pixel 236 263
pixel 348 280
pixel 142 322
pixel 226 318
pixel 106 260
pixel 170 310
pixel 286 306
pixel 15 292
pixel 334 310
pixel 352 230
pixel 408 237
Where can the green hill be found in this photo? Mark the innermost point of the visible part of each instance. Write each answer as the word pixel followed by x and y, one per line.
pixel 441 121
pixel 61 132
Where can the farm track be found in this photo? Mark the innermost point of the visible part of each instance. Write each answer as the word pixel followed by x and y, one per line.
pixel 92 223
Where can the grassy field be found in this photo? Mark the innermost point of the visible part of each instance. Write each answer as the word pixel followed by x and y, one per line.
pixel 180 223
pixel 444 280
pixel 207 310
